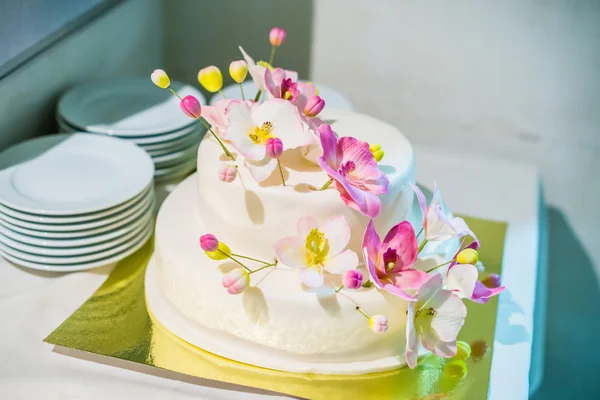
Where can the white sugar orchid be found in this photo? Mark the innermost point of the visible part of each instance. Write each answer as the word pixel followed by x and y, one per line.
pixel 318 249
pixel 438 224
pixel 257 71
pixel 251 127
pixel 434 320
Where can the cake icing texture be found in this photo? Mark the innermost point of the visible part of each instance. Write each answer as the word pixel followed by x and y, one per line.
pixel 297 246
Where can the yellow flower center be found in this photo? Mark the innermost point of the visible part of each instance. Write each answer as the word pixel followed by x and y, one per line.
pixel 317 247
pixel 426 312
pixel 261 134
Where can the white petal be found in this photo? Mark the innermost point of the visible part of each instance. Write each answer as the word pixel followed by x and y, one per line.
pixel 433 343
pixel 312 277
pixel 240 124
pixel 341 263
pixel 290 252
pixel 428 290
pixel 287 124
pixel 461 279
pixel 261 170
pixel 450 315
pixel 412 343
pixel 438 228
pixel 337 231
pixel 305 225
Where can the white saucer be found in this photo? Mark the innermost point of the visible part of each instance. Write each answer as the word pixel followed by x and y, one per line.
pixel 333 98
pixel 178 170
pixel 57 261
pixel 135 209
pixel 126 107
pixel 68 174
pixel 79 234
pixel 42 219
pixel 176 145
pixel 84 241
pixel 71 251
pixel 80 266
pixel 176 157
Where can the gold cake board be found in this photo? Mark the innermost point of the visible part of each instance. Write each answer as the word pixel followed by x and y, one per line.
pixel 115 322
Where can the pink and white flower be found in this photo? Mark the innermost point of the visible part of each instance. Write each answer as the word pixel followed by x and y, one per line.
pixel 251 127
pixel 318 249
pixel 437 226
pixel 351 166
pixel 282 86
pixel 390 262
pixel 257 71
pixel 434 320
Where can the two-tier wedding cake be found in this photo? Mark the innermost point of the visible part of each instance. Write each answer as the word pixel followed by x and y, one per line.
pixel 298 246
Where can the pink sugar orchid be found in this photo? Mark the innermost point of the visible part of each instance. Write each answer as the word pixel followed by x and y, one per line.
pixel 462 279
pixel 216 115
pixel 251 127
pixel 257 72
pixel 283 86
pixel 317 249
pixel 437 225
pixel 434 320
pixel 389 262
pixel 351 166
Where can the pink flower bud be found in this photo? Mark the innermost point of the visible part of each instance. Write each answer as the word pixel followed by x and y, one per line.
pixel 209 242
pixel 491 281
pixel 352 279
pixel 227 172
pixel 378 323
pixel 314 106
pixel 274 147
pixel 190 106
pixel 236 281
pixel 277 36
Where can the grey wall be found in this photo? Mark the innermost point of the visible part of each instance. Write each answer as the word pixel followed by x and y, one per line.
pixel 128 40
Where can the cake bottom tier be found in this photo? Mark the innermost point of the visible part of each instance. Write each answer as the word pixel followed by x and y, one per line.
pixel 276 323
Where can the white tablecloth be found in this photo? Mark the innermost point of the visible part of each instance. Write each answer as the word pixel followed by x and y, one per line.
pixel 33 304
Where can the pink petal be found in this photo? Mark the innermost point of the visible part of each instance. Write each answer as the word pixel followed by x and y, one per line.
pixel 312 277
pixel 290 252
pixel 422 203
pixel 461 279
pixel 337 231
pixel 305 225
pixel 371 244
pixel 307 91
pixel 293 75
pixel 412 344
pixel 358 152
pixel 482 294
pixel 273 81
pixel 341 263
pixel 402 238
pixel 371 268
pixel 329 144
pixel 461 227
pixel 396 291
pixel 409 279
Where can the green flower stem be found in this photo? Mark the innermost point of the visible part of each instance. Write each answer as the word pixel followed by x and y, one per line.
pixel 207 126
pixel 266 266
pixel 419 234
pixel 438 266
pixel 236 261
pixel 423 243
pixel 242 90
pixel 252 259
pixel 280 172
pixel 272 58
pixel 257 97
pixel 362 312
pixel 340 288
pixel 175 93
pixel 327 184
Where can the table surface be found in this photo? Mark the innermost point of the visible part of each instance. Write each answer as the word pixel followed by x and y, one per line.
pixel 33 303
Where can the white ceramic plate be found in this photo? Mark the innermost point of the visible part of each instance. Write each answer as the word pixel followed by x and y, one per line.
pixel 74 174
pixel 174 145
pixel 41 219
pixel 71 251
pixel 135 209
pixel 126 107
pixel 76 259
pixel 333 98
pixel 80 266
pixel 78 234
pixel 84 241
pixel 175 158
pixel 169 172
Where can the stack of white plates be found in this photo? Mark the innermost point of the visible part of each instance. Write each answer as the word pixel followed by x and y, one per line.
pixel 134 109
pixel 74 201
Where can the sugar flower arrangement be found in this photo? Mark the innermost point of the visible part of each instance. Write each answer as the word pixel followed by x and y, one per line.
pixel 283 116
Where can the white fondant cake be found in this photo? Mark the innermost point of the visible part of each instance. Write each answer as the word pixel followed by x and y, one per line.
pixel 277 314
